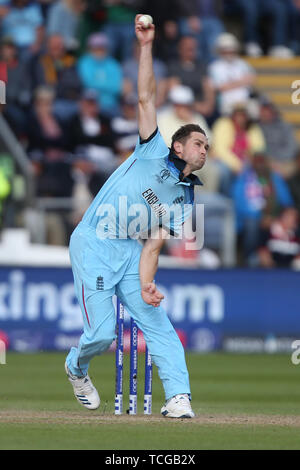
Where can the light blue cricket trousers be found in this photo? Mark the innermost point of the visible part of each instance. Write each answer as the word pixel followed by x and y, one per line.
pixel 101 269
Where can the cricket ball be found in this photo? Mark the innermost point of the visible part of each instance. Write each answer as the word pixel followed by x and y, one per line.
pixel 147 20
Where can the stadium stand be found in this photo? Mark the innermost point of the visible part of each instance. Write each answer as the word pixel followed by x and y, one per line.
pixel 98 35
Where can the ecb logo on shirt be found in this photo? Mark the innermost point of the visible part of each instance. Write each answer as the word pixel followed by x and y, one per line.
pixel 100 283
pixel 164 175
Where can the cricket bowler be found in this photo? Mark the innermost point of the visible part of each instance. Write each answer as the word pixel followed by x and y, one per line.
pixel 109 259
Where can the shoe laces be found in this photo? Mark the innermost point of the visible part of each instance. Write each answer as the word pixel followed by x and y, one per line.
pixel 184 397
pixel 181 398
pixel 84 386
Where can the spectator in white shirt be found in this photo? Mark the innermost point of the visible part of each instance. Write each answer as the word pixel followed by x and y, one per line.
pixel 232 77
pixel 180 112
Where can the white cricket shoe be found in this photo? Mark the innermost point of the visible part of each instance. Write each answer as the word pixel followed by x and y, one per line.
pixel 178 407
pixel 84 390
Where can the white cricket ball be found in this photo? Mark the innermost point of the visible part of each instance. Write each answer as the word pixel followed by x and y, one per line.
pixel 147 20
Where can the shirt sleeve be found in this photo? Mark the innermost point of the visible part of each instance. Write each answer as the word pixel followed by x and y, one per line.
pixel 151 148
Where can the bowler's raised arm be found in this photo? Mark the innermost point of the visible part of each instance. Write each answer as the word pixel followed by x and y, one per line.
pixel 146 80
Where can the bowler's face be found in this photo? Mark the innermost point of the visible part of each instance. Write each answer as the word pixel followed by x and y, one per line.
pixel 195 149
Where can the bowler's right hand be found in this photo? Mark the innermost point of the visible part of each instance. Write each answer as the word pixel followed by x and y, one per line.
pixel 144 35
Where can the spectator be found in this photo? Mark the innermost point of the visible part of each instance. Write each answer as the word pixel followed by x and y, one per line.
pixel 234 139
pixel 252 13
pixel 63 18
pixel 45 5
pixel 281 144
pixel 23 23
pixel 125 148
pixel 119 26
pixel 130 71
pixel 4 8
pixel 92 18
pixel 179 113
pixel 92 142
pixel 259 195
pixel 47 147
pixel 101 72
pixel 169 13
pixel 294 25
pixel 294 182
pixel 57 68
pixel 18 87
pixel 280 245
pixel 191 72
pixel 125 126
pixel 203 259
pixel 232 77
pixel 203 21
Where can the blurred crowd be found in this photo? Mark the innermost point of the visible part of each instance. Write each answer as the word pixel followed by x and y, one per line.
pixel 72 100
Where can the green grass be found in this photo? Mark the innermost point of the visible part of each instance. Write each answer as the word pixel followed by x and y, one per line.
pixel 193 437
pixel 38 411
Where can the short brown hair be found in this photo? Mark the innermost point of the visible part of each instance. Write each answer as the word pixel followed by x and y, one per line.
pixel 183 133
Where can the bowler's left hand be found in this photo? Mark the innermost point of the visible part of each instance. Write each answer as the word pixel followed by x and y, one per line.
pixel 151 294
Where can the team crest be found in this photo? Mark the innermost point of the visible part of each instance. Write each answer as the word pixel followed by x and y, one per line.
pixel 100 283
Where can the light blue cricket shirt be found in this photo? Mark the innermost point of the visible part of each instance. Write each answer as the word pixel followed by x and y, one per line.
pixel 146 192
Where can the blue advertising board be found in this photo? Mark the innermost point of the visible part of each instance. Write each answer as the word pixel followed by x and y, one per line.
pixel 209 308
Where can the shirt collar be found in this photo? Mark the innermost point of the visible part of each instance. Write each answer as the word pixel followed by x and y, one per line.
pixel 179 164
